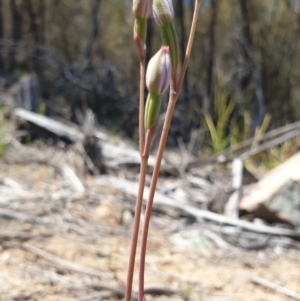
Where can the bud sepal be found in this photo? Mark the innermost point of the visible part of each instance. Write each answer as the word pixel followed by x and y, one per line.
pixel 140 29
pixel 152 110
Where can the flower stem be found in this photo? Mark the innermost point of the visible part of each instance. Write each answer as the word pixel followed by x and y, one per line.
pixel 189 45
pixel 138 208
pixel 161 147
pixel 143 171
pixel 175 89
pixel 135 230
pixel 142 104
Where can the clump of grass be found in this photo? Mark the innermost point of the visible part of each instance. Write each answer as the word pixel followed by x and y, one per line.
pixel 221 131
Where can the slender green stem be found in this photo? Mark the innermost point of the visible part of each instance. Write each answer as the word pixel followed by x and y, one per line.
pixel 142 104
pixel 175 89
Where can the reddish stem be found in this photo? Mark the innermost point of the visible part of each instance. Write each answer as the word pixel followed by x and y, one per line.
pixel 138 209
pixel 175 89
pixel 142 104
pixel 143 170
pixel 135 230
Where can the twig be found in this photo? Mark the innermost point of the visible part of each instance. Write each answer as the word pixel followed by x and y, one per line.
pixel 232 206
pixel 130 188
pixel 7 213
pixel 270 144
pixel 275 287
pixel 72 178
pixel 63 263
pixel 50 125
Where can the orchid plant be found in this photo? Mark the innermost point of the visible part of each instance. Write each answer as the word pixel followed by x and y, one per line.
pixel 163 71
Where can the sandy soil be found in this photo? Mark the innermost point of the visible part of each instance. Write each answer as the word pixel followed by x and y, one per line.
pixel 103 246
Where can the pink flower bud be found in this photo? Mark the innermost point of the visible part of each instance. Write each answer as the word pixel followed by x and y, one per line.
pixel 159 71
pixel 163 11
pixel 142 8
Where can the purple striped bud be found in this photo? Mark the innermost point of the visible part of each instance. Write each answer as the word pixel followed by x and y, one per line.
pixel 142 8
pixel 163 11
pixel 159 71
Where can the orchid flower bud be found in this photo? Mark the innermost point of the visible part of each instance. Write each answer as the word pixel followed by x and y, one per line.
pixel 142 8
pixel 163 11
pixel 158 73
pixel 157 80
pixel 164 15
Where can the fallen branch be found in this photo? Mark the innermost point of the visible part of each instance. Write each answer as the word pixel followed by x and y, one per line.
pixel 130 188
pixel 275 287
pixel 50 125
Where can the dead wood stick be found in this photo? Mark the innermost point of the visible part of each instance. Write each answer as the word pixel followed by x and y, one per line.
pixel 7 213
pixel 50 125
pixel 130 188
pixel 203 214
pixel 232 206
pixel 275 287
pixel 72 178
pixel 267 145
pixel 11 214
pixel 63 263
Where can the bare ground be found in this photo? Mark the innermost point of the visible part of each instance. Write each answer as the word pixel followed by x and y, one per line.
pixel 86 234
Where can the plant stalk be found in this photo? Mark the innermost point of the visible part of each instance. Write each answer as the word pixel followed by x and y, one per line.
pixel 142 104
pixel 143 170
pixel 148 211
pixel 174 92
pixel 135 230
pixel 138 208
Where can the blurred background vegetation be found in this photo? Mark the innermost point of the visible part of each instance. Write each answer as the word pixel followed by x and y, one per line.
pixel 244 65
